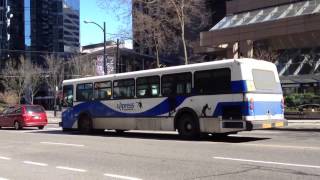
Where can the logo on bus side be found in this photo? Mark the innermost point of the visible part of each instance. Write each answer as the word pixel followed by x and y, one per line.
pixel 129 106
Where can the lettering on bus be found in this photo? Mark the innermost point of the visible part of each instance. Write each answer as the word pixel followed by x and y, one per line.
pixel 129 106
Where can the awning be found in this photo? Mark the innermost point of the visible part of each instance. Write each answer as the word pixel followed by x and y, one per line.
pixel 280 21
pixel 269 14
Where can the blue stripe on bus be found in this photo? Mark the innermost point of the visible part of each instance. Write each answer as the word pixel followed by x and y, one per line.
pixel 260 108
pixel 97 109
pixel 241 87
pixel 238 86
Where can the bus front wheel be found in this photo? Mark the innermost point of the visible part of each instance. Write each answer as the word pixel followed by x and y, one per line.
pixel 85 124
pixel 188 127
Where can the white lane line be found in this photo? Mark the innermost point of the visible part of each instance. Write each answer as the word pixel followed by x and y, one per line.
pixel 281 146
pixel 5 158
pixel 267 162
pixel 1 178
pixel 71 169
pixel 121 177
pixel 53 128
pixel 35 163
pixel 62 144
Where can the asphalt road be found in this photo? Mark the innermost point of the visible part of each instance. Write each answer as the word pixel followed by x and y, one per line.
pixel 52 154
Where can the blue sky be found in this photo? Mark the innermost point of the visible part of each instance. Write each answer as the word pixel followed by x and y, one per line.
pixel 90 33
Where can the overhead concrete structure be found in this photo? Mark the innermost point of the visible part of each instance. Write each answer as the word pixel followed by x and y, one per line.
pixel 294 25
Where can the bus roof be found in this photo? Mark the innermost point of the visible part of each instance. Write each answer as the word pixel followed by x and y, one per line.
pixel 169 69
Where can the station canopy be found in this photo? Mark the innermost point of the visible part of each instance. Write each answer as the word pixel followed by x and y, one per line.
pixel 269 14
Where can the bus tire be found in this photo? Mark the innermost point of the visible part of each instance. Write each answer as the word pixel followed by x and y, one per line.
pixel 120 131
pixel 85 124
pixel 66 129
pixel 188 127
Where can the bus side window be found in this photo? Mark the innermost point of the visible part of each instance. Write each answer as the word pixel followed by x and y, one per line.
pixel 176 84
pixel 148 87
pixel 84 92
pixel 102 90
pixel 67 100
pixel 215 81
pixel 124 89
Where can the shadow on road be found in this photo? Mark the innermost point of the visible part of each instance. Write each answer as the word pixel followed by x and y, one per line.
pixel 156 136
pixel 296 129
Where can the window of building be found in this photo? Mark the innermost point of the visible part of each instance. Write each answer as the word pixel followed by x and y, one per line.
pixel 176 84
pixel 102 90
pixel 216 81
pixel 148 87
pixel 84 92
pixel 123 89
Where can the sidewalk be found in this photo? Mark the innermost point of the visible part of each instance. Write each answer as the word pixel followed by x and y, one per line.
pixel 52 119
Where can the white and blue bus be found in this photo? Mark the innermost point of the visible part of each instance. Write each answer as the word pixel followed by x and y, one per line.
pixel 221 97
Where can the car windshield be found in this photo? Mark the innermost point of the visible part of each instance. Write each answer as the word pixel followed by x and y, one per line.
pixel 34 109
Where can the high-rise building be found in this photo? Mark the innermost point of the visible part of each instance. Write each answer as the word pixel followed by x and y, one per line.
pixel 36 28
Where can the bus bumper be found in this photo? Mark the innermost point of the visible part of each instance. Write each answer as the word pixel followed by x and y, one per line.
pixel 252 125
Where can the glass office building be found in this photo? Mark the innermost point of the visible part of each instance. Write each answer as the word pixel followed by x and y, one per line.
pixel 39 27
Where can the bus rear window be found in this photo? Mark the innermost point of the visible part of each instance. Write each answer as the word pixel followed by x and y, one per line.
pixel 264 80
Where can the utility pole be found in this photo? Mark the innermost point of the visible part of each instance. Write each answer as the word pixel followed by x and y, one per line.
pixel 118 64
pixel 104 43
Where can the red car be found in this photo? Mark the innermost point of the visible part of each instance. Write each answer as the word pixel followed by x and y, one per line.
pixel 24 116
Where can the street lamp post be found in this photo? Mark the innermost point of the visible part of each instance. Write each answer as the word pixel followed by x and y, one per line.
pixel 104 42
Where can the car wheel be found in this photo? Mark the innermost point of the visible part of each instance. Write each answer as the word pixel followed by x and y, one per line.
pixel 188 127
pixel 17 125
pixel 40 127
pixel 85 125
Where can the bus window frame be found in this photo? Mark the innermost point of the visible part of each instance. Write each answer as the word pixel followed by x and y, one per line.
pixel 175 93
pixel 68 104
pixel 84 100
pixel 119 98
pixel 96 89
pixel 196 91
pixel 148 84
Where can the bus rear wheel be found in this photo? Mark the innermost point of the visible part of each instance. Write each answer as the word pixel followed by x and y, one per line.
pixel 85 124
pixel 188 127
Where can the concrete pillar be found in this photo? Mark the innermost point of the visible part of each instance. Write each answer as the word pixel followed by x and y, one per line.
pixel 233 52
pixel 246 48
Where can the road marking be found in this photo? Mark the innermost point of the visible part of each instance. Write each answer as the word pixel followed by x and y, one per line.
pixel 53 128
pixel 62 144
pixel 1 178
pixel 5 158
pixel 121 177
pixel 268 162
pixel 35 163
pixel 281 146
pixel 71 169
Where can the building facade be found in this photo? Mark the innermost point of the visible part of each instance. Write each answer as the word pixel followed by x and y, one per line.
pixel 285 32
pixel 36 28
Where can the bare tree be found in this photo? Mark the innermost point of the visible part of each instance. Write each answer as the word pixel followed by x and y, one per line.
pixel 179 15
pixel 14 77
pixel 82 66
pixel 265 54
pixel 153 33
pixel 33 78
pixel 55 75
pixel 22 76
